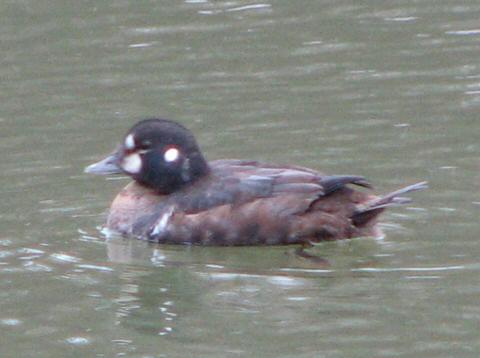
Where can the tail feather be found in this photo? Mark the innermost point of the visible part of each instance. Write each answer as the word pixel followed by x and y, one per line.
pixel 332 183
pixel 371 209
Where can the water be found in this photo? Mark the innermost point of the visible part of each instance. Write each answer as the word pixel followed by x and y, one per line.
pixel 387 90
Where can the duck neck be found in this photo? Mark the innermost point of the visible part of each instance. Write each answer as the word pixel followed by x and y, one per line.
pixel 196 168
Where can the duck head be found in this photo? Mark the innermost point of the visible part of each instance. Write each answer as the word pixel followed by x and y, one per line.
pixel 157 153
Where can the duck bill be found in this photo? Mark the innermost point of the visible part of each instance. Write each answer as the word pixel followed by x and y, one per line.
pixel 106 166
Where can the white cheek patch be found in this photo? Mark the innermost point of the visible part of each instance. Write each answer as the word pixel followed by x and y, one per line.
pixel 171 155
pixel 132 163
pixel 130 142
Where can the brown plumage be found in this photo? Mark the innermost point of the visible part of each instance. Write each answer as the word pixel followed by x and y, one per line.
pixel 177 197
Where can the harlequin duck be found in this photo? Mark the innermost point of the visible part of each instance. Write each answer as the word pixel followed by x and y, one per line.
pixel 177 197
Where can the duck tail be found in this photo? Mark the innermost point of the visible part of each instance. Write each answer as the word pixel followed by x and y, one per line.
pixel 371 209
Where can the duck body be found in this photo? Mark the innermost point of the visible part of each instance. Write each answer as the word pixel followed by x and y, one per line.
pixel 179 198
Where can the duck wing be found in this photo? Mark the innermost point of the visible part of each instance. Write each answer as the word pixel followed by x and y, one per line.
pixel 238 182
pixel 245 203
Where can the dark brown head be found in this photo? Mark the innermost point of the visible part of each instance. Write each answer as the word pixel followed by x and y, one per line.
pixel 157 153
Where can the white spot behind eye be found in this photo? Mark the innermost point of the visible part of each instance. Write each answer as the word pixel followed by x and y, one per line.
pixel 130 142
pixel 132 163
pixel 171 155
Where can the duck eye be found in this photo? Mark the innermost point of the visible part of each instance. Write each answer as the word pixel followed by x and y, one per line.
pixel 145 145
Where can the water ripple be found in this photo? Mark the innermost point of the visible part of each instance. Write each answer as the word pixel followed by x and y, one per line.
pixel 249 7
pixel 464 32
pixel 410 269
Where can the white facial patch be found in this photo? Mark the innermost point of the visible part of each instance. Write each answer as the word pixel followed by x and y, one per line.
pixel 171 155
pixel 132 163
pixel 130 142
